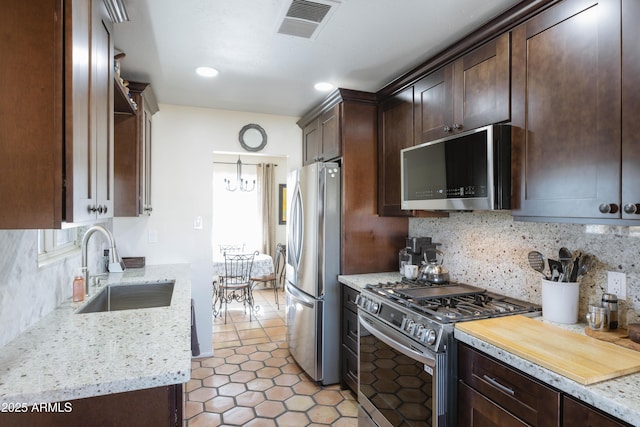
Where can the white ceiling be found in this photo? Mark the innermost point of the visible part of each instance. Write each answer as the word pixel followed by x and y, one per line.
pixel 364 45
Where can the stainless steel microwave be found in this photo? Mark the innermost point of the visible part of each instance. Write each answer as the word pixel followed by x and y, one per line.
pixel 466 171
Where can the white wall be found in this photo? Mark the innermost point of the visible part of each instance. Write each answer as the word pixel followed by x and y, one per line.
pixel 184 139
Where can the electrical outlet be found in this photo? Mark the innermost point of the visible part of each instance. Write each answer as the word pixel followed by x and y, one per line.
pixel 617 284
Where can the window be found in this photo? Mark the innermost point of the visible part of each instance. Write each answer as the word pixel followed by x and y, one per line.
pixel 56 244
pixel 236 214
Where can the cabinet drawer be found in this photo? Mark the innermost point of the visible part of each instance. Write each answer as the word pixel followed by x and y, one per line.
pixel 481 411
pixel 529 400
pixel 349 298
pixel 350 369
pixel 578 413
pixel 350 329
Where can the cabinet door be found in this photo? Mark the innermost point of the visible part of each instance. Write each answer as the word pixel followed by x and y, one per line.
pixel 482 80
pixel 311 142
pixel 330 133
pixel 31 114
pixel 433 100
pixel 89 138
pixel 630 110
pixel 566 106
pixel 146 163
pixel 475 410
pixel 395 132
pixel 128 129
pixel 102 106
pixel 575 413
pixel 80 164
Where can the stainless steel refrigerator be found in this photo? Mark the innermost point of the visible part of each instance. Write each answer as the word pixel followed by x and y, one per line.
pixel 313 265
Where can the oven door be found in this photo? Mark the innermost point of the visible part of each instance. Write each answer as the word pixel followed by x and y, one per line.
pixel 397 380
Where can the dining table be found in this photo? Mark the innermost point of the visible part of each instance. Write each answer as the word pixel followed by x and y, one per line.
pixel 262 265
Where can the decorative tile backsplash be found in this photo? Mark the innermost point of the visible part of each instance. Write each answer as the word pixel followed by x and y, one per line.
pixel 29 292
pixel 489 249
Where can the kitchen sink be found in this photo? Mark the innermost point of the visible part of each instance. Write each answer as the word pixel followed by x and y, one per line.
pixel 131 297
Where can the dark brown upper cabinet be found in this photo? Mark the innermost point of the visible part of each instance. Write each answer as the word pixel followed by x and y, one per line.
pixel 321 137
pixel 395 127
pixel 368 241
pixel 573 159
pixel 132 164
pixel 470 92
pixel 56 139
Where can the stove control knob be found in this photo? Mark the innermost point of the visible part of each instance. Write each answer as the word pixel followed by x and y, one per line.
pixel 358 299
pixel 374 307
pixel 420 330
pixel 430 337
pixel 409 325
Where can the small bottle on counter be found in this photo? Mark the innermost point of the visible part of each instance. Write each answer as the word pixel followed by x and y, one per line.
pixel 78 286
pixel 610 301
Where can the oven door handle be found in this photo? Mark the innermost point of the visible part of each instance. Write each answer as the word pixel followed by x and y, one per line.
pixel 407 351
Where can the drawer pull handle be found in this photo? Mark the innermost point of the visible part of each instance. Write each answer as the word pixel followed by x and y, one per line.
pixel 496 384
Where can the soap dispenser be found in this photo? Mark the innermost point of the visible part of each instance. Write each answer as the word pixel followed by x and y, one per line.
pixel 79 288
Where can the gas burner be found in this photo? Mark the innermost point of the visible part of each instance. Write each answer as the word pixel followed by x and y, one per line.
pixel 449 302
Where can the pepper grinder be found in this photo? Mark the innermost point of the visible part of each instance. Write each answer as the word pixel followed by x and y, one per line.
pixel 610 302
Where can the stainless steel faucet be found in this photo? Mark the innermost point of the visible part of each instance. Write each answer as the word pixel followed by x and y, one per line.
pixel 115 263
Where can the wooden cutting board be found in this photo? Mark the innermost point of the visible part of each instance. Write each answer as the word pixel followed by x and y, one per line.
pixel 575 356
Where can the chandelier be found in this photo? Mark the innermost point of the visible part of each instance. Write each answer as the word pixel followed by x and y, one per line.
pixel 241 184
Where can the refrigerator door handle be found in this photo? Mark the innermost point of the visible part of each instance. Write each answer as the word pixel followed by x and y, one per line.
pixel 295 241
pixel 300 297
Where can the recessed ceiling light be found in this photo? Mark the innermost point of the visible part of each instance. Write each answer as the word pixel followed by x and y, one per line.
pixel 207 71
pixel 323 86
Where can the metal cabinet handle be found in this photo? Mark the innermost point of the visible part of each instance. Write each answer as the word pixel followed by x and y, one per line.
pixel 92 209
pixel 457 126
pixel 497 385
pixel 632 208
pixel 447 129
pixel 610 208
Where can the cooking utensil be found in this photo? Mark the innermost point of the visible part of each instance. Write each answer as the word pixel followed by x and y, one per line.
pixel 584 265
pixel 537 261
pixel 574 269
pixel 565 258
pixel 556 269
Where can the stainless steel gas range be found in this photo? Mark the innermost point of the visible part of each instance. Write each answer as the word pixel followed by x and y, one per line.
pixel 407 357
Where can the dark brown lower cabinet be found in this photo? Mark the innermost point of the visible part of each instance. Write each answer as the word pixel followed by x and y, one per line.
pixel 576 413
pixel 349 347
pixel 528 401
pixel 160 406
pixel 477 410
pixel 492 394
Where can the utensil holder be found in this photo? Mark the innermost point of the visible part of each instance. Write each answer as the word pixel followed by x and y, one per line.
pixel 560 301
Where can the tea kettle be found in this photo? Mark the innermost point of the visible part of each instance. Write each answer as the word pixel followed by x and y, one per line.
pixel 434 271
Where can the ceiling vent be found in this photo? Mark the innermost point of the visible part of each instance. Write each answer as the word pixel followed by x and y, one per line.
pixel 304 18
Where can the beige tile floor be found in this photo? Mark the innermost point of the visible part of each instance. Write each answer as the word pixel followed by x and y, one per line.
pixel 252 380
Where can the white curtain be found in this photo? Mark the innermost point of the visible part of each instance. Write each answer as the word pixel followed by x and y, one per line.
pixel 267 206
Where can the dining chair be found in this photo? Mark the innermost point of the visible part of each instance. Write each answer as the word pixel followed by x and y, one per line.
pixel 235 285
pixel 276 277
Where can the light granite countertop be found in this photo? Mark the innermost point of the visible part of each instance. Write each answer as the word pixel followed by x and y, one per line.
pixel 359 281
pixel 619 397
pixel 69 356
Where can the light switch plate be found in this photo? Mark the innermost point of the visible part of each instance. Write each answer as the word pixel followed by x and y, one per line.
pixel 617 284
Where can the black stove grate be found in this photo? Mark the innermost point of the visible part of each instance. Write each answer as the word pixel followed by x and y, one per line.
pixel 451 302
